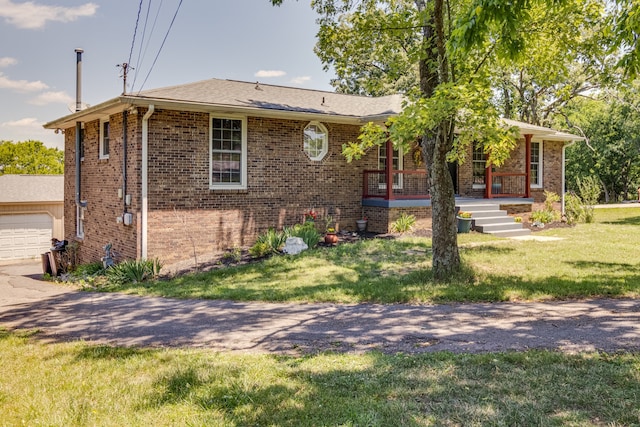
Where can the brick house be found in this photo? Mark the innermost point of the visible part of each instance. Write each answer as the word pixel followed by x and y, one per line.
pixel 209 165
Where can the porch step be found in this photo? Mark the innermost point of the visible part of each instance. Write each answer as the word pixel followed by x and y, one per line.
pixel 489 219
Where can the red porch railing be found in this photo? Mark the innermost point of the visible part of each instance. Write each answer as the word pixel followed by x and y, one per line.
pixel 407 184
pixel 506 185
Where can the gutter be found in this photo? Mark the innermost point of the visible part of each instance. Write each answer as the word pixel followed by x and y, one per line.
pixel 145 181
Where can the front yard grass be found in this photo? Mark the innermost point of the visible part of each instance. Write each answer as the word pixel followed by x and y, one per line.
pixel 76 384
pixel 591 260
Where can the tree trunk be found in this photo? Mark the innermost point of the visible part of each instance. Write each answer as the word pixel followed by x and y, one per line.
pixel 446 258
pixel 436 143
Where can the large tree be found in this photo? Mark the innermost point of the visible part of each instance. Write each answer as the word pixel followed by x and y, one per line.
pixel 611 151
pixel 31 158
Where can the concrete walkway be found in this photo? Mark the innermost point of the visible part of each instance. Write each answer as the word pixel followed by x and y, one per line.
pixel 62 314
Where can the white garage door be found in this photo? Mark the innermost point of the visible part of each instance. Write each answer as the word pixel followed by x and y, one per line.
pixel 25 236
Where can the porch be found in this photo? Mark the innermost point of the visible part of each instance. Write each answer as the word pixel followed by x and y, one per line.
pixel 412 184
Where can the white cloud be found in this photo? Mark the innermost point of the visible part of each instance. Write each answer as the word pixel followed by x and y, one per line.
pixel 31 15
pixel 52 98
pixel 270 73
pixel 26 123
pixel 21 85
pixel 300 80
pixel 7 61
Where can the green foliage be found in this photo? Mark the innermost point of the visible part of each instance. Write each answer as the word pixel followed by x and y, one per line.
pixel 573 208
pixel 548 214
pixel 260 249
pixel 30 157
pixel 134 271
pixel 611 152
pixel 403 224
pixel 590 191
pixel 307 232
pixel 271 241
pixel 543 216
pixel 232 255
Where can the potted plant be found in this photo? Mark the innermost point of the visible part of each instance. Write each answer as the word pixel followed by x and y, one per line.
pixel 362 223
pixel 331 238
pixel 464 222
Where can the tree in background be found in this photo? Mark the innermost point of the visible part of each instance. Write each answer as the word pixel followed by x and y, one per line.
pixel 30 158
pixel 611 152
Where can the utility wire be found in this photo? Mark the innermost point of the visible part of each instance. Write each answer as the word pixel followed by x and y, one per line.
pixel 135 31
pixel 144 33
pixel 161 46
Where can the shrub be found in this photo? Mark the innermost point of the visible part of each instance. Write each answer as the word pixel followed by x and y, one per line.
pixel 232 255
pixel 271 241
pixel 134 271
pixel 403 224
pixel 573 209
pixel 260 249
pixel 590 194
pixel 543 216
pixel 307 232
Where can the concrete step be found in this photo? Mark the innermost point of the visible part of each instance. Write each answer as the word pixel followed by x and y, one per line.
pixel 477 207
pixel 491 220
pixel 501 226
pixel 488 214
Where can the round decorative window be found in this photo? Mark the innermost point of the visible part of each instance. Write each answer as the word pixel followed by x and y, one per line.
pixel 316 141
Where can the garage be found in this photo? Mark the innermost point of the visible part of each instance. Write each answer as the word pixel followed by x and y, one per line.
pixel 31 214
pixel 25 236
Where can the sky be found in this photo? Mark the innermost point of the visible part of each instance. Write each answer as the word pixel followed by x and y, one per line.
pixel 247 40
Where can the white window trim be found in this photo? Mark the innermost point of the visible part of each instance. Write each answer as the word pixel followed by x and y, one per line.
pixel 540 166
pixel 400 184
pixel 80 222
pixel 243 155
pixel 325 142
pixel 101 154
pixel 473 185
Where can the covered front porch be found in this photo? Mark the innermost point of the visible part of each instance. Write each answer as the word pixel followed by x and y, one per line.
pixel 412 184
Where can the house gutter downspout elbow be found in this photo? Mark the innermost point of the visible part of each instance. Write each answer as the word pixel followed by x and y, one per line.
pixel 145 180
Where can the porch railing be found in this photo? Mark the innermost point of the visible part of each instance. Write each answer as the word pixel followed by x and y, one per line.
pixel 407 184
pixel 507 185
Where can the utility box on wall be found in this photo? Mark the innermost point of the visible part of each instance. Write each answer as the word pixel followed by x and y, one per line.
pixel 128 219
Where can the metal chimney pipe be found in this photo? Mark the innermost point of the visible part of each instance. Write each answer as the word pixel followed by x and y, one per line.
pixel 78 79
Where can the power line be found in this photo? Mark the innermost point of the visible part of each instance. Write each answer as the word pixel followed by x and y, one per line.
pixel 144 33
pixel 161 46
pixel 135 31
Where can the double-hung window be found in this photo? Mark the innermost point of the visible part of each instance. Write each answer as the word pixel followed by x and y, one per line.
pixel 396 165
pixel 228 153
pixel 479 161
pixel 536 164
pixel 104 139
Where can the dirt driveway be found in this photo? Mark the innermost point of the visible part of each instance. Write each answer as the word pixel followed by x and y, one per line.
pixel 62 314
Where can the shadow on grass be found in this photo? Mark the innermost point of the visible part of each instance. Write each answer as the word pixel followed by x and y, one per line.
pixel 634 220
pixel 533 388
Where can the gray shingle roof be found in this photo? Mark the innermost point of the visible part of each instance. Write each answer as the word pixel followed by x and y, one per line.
pixel 239 94
pixel 31 188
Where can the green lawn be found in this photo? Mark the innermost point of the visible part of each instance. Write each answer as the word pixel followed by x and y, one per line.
pixel 75 384
pixel 591 260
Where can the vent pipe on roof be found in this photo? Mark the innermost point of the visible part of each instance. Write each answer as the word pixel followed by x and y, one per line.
pixel 79 202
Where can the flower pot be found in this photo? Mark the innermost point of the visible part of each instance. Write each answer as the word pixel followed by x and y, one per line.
pixel 362 224
pixel 464 225
pixel 331 238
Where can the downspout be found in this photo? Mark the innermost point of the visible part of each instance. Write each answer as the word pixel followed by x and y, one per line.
pixel 564 147
pixel 145 180
pixel 79 202
pixel 124 159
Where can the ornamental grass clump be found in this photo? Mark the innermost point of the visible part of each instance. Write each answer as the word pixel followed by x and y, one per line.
pixel 403 224
pixel 134 271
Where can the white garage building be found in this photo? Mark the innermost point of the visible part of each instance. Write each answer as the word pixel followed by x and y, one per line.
pixel 31 213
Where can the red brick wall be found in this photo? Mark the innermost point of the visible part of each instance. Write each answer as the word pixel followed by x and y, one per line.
pixel 282 184
pixel 100 181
